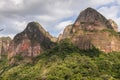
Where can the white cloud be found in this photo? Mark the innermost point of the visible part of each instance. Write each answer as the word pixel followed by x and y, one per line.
pixel 109 12
pixel 20 26
pixel 101 2
pixel 17 2
pixel 46 18
pixel 60 26
pixel 118 1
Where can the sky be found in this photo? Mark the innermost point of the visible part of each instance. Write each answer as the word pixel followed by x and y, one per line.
pixel 53 15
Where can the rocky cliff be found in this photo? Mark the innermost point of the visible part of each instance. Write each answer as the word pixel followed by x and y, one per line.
pixel 66 33
pixel 31 42
pixel 92 29
pixel 113 24
pixel 90 19
pixel 4 44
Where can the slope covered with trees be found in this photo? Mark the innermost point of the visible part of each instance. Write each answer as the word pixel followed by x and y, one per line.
pixel 65 62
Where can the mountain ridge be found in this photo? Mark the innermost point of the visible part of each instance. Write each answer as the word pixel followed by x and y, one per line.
pixel 85 33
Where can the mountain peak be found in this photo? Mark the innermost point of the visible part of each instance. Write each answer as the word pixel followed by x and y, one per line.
pixel 31 42
pixel 90 15
pixel 34 26
pixel 91 19
pixel 89 9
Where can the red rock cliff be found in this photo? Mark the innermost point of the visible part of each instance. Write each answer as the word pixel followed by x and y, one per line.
pixel 31 42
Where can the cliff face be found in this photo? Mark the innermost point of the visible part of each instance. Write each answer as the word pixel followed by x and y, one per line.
pixel 104 40
pixel 31 42
pixel 93 29
pixel 4 44
pixel 90 19
pixel 114 25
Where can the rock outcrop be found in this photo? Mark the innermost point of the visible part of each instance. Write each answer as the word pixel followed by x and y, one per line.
pixel 4 44
pixel 93 29
pixel 66 33
pixel 31 42
pixel 90 19
pixel 113 24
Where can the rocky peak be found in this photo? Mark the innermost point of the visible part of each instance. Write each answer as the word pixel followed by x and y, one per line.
pixel 31 42
pixel 33 27
pixel 91 15
pixel 90 19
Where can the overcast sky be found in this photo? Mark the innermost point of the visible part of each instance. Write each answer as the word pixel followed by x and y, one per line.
pixel 53 15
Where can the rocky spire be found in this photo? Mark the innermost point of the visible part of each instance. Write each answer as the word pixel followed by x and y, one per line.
pixel 31 42
pixel 92 29
pixel 90 19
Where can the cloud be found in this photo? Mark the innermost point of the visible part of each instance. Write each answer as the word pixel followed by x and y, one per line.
pixel 109 12
pixel 46 18
pixel 13 28
pixel 53 15
pixel 60 27
pixel 101 2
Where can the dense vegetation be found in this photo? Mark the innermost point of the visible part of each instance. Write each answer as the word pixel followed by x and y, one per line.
pixel 65 62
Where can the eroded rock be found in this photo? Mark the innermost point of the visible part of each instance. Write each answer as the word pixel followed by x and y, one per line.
pixel 31 42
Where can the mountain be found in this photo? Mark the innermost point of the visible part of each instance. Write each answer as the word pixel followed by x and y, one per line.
pixel 92 29
pixel 86 33
pixel 31 42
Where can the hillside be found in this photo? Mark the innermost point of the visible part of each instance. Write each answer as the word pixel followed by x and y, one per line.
pixel 66 62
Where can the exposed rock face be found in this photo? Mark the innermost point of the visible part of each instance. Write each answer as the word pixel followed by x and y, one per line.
pixel 4 44
pixel 103 40
pixel 66 33
pixel 31 42
pixel 92 29
pixel 60 37
pixel 90 19
pixel 113 24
